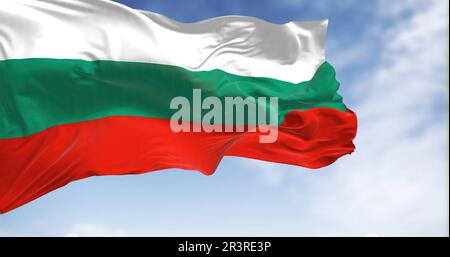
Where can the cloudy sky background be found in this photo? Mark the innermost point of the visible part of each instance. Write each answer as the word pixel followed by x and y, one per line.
pixel 391 58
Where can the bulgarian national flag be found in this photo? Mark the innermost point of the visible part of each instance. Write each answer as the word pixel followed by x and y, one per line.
pixel 97 88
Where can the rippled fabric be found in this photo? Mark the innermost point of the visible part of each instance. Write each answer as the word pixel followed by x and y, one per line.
pixel 85 88
pixel 35 165
pixel 105 30
pixel 37 94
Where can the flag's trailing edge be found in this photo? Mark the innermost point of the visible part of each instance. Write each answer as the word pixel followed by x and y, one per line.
pixel 85 89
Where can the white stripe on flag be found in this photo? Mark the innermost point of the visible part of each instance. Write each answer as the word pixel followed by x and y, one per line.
pixel 105 30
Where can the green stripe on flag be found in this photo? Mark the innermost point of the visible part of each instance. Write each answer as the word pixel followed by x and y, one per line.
pixel 36 93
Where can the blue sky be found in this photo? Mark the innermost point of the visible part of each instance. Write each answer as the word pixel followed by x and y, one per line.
pixel 391 58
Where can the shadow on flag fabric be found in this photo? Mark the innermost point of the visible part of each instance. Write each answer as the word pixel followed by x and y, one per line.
pixel 86 89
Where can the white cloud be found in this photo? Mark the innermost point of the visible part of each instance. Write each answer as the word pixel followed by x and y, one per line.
pixel 92 230
pixel 396 183
pixel 268 173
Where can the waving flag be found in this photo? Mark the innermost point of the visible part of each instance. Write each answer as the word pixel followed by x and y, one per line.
pixel 88 87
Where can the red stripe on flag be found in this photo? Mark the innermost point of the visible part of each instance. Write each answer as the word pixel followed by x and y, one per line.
pixel 35 165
